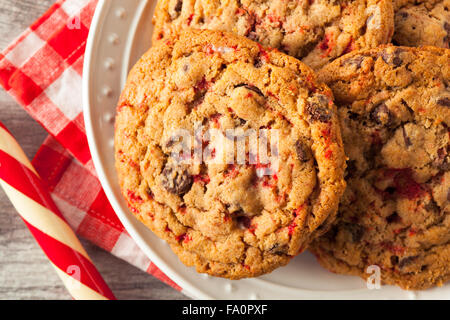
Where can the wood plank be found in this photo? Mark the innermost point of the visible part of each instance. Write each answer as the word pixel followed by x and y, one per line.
pixel 24 270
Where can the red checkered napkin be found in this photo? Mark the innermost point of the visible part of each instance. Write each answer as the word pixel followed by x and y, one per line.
pixel 42 70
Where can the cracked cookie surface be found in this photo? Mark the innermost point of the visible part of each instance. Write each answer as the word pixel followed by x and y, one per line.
pixel 422 22
pixel 315 32
pixel 394 108
pixel 228 220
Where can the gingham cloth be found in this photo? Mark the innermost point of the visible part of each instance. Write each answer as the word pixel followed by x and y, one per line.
pixel 42 70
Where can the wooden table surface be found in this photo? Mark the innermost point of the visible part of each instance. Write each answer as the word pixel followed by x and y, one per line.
pixel 24 271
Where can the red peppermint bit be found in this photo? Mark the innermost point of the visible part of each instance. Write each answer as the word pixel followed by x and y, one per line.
pixel 160 35
pixel 263 53
pixel 399 250
pixel 240 12
pixel 167 229
pixel 226 218
pixel 271 94
pixel 123 105
pixel 133 197
pixel 275 177
pixel 182 209
pixel 209 50
pixel 249 95
pixel 324 45
pixel 189 19
pixel 133 164
pixel 350 46
pixel 180 238
pixel 310 80
pixel 294 89
pixel 328 154
pixel 412 232
pixel 406 186
pixel 215 118
pixel 230 110
pixel 245 266
pixel 252 228
pixel 266 183
pixel 398 231
pixel 202 178
pixel 291 228
pixel 274 19
pixel 168 43
pixel 187 238
pixel 232 171
pixel 203 85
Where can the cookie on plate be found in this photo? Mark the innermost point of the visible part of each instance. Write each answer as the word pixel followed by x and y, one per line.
pixel 188 166
pixel 315 32
pixel 422 22
pixel 394 109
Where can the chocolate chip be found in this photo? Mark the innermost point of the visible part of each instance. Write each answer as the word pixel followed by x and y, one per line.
pixel 302 153
pixel 393 218
pixel 199 97
pixel 381 115
pixel 244 222
pixel 251 88
pixel 258 62
pixel 356 231
pixel 176 10
pixel 403 14
pixel 407 140
pixel 185 68
pixel 179 6
pixel 441 162
pixel 447 26
pixel 444 102
pixel 351 169
pixel 317 108
pixel 394 260
pixel 278 249
pixel 432 206
pixel 176 180
pixel 356 61
pixel 407 261
pixel 392 58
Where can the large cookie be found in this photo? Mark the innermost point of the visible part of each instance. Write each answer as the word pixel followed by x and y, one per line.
pixel 394 109
pixel 232 219
pixel 316 32
pixel 422 22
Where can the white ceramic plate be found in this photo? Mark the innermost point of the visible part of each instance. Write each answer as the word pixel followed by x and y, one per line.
pixel 120 33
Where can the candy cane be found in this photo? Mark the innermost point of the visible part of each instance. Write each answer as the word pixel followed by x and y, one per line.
pixel 26 191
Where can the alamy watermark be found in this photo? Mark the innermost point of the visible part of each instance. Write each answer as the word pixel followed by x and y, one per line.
pixel 231 146
pixel 374 280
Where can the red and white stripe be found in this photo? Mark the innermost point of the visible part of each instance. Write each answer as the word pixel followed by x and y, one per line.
pixel 29 196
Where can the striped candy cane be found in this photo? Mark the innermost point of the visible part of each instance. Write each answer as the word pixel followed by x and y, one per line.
pixel 26 191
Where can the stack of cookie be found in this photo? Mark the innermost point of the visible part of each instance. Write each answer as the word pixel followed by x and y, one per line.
pixel 234 131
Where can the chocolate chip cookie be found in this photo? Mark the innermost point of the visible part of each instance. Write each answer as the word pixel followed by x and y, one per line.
pixel 316 32
pixel 394 109
pixel 422 22
pixel 229 151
